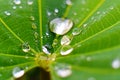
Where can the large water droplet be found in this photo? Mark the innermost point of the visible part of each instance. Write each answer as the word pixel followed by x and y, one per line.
pixel 76 31
pixel 68 2
pixel 65 50
pixel 7 13
pixel 25 47
pixel 46 49
pixel 30 2
pixel 18 72
pixel 60 26
pixel 65 40
pixel 116 63
pixel 17 2
pixel 63 70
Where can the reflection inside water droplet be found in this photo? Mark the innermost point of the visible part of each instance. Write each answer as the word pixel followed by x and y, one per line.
pixel 47 49
pixel 63 70
pixel 60 26
pixel 65 50
pixel 18 72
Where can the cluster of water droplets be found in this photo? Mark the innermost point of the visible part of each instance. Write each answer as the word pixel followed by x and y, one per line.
pixel 63 70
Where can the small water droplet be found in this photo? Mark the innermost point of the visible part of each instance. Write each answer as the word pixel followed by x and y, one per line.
pixel 49 13
pixel 65 40
pixel 17 2
pixel 20 7
pixel 65 50
pixel 60 26
pixel 32 18
pixel 68 2
pixel 75 13
pixel 98 12
pixel 18 72
pixel 56 10
pixel 55 42
pixel 91 78
pixel 88 58
pixel 111 8
pixel 76 31
pixel 26 56
pixel 7 13
pixel 36 35
pixel 14 7
pixel 25 47
pixel 34 26
pixel 0 75
pixel 63 70
pixel 30 2
pixel 84 25
pixel 46 49
pixel 116 63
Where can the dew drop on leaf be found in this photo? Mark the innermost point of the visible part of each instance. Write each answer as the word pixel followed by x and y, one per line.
pixel 25 47
pixel 68 2
pixel 18 72
pixel 7 13
pixel 60 26
pixel 63 70
pixel 34 26
pixel 49 13
pixel 30 2
pixel 32 18
pixel 17 2
pixel 56 10
pixel 20 7
pixel 36 35
pixel 91 78
pixel 65 40
pixel 46 49
pixel 76 31
pixel 65 50
pixel 14 7
pixel 116 64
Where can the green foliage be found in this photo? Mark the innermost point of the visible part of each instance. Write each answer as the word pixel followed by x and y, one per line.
pixel 95 48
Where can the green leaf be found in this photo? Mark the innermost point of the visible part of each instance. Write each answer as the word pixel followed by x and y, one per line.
pixel 95 48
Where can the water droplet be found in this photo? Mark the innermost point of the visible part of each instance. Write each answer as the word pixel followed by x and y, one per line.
pixel 17 2
pixel 63 70
pixel 98 12
pixel 55 42
pixel 25 47
pixel 84 25
pixel 14 7
pixel 91 78
pixel 36 35
pixel 116 63
pixel 46 49
pixel 49 13
pixel 65 50
pixel 30 2
pixel 75 13
pixel 7 13
pixel 111 8
pixel 88 58
pixel 18 72
pixel 65 40
pixel 0 75
pixel 26 56
pixel 34 26
pixel 76 31
pixel 56 10
pixel 32 18
pixel 60 26
pixel 68 2
pixel 20 7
